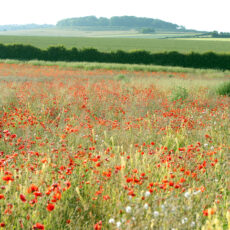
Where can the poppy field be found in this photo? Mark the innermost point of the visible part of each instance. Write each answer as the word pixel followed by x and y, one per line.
pixel 112 149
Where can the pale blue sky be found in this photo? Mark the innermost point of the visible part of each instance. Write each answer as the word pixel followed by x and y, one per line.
pixel 193 14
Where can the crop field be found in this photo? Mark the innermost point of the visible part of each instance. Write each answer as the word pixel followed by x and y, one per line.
pixel 127 44
pixel 206 39
pixel 112 149
pixel 91 32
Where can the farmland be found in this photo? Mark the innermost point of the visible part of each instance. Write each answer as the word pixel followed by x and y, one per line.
pixel 126 44
pixel 86 32
pixel 105 146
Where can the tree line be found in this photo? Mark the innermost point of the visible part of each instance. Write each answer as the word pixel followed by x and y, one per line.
pixel 116 21
pixel 24 27
pixel 59 53
pixel 216 34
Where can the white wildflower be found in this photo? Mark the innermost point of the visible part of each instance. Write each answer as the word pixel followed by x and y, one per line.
pixel 128 209
pixel 118 224
pixel 146 206
pixel 193 224
pixel 111 221
pixel 156 213
pixel 184 220
pixel 147 193
pixel 206 144
pixel 187 194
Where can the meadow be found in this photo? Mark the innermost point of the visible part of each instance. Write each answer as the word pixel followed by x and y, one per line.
pixel 121 43
pixel 113 147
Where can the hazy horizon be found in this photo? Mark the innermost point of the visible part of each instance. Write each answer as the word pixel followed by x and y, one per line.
pixel 206 15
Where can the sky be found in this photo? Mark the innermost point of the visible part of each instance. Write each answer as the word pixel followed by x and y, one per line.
pixel 207 15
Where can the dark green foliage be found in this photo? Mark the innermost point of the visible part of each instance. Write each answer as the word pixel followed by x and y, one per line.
pixel 224 89
pixel 148 31
pixel 21 52
pixel 215 34
pixel 116 22
pixel 59 53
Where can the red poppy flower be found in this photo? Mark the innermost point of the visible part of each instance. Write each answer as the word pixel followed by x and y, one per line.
pixel 50 207
pixel 32 188
pixel 98 225
pixel 23 198
pixel 38 226
pixel 37 194
pixel 8 178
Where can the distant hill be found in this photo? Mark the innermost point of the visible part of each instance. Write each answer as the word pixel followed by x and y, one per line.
pixel 122 22
pixel 24 27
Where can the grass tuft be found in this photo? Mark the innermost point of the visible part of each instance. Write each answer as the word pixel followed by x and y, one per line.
pixel 179 93
pixel 224 89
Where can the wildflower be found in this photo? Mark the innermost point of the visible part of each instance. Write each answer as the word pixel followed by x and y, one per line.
pixel 38 226
pixel 23 198
pixel 98 225
pixel 8 178
pixel 118 224
pixel 156 213
pixel 50 207
pixel 68 221
pixel 147 193
pixel 146 206
pixel 32 188
pixel 187 194
pixel 111 221
pixel 37 194
pixel 106 197
pixel 209 211
pixel 184 220
pixel 128 209
pixel 2 196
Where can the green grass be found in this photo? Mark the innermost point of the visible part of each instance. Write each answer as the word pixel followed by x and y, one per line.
pixel 129 67
pixel 224 89
pixel 127 44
